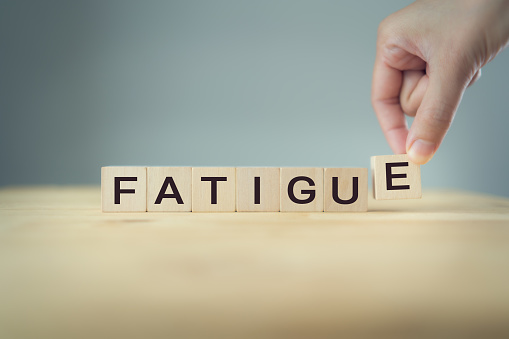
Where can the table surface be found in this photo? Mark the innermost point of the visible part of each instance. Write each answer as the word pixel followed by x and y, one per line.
pixel 436 267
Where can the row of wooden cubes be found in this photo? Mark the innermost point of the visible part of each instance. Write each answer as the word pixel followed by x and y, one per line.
pixel 242 189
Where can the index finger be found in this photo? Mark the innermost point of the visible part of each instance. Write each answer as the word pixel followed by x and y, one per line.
pixel 385 92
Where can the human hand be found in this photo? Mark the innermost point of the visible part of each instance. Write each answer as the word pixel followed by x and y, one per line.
pixel 427 55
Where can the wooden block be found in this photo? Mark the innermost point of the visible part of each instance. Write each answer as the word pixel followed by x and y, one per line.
pixel 258 189
pixel 301 190
pixel 169 189
pixel 213 189
pixel 345 189
pixel 124 189
pixel 395 177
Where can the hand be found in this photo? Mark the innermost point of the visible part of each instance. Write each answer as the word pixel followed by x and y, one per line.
pixel 427 55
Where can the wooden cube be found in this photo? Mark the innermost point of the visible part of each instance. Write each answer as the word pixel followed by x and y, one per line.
pixel 395 177
pixel 257 189
pixel 213 189
pixel 169 189
pixel 345 189
pixel 301 190
pixel 124 189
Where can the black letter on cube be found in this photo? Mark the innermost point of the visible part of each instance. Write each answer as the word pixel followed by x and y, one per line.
pixel 118 191
pixel 335 189
pixel 389 176
pixel 213 187
pixel 162 193
pixel 311 193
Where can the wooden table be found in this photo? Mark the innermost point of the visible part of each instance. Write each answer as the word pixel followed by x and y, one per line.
pixel 435 267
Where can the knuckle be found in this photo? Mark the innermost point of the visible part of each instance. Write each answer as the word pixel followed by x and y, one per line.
pixel 384 27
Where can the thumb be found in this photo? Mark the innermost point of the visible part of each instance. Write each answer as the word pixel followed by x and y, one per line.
pixel 435 114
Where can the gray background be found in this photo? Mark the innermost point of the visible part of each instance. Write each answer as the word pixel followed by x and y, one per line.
pixel 85 84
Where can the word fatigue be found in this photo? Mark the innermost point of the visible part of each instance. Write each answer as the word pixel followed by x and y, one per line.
pixel 256 189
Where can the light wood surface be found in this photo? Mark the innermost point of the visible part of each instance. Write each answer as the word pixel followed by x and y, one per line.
pixel 437 267
pixel 402 182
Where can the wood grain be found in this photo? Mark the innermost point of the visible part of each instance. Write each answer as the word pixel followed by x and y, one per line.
pixel 402 182
pixel 132 188
pixel 301 189
pixel 180 177
pixel 345 189
pixel 268 186
pixel 428 268
pixel 210 195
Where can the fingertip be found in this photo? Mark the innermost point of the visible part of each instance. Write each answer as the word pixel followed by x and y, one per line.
pixel 398 149
pixel 421 151
pixel 397 139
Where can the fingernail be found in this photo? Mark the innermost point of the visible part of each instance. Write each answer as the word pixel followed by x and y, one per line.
pixel 421 151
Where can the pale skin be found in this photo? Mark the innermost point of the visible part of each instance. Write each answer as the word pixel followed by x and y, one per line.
pixel 427 55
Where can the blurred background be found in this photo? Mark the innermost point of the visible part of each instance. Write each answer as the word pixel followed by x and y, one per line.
pixel 84 84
